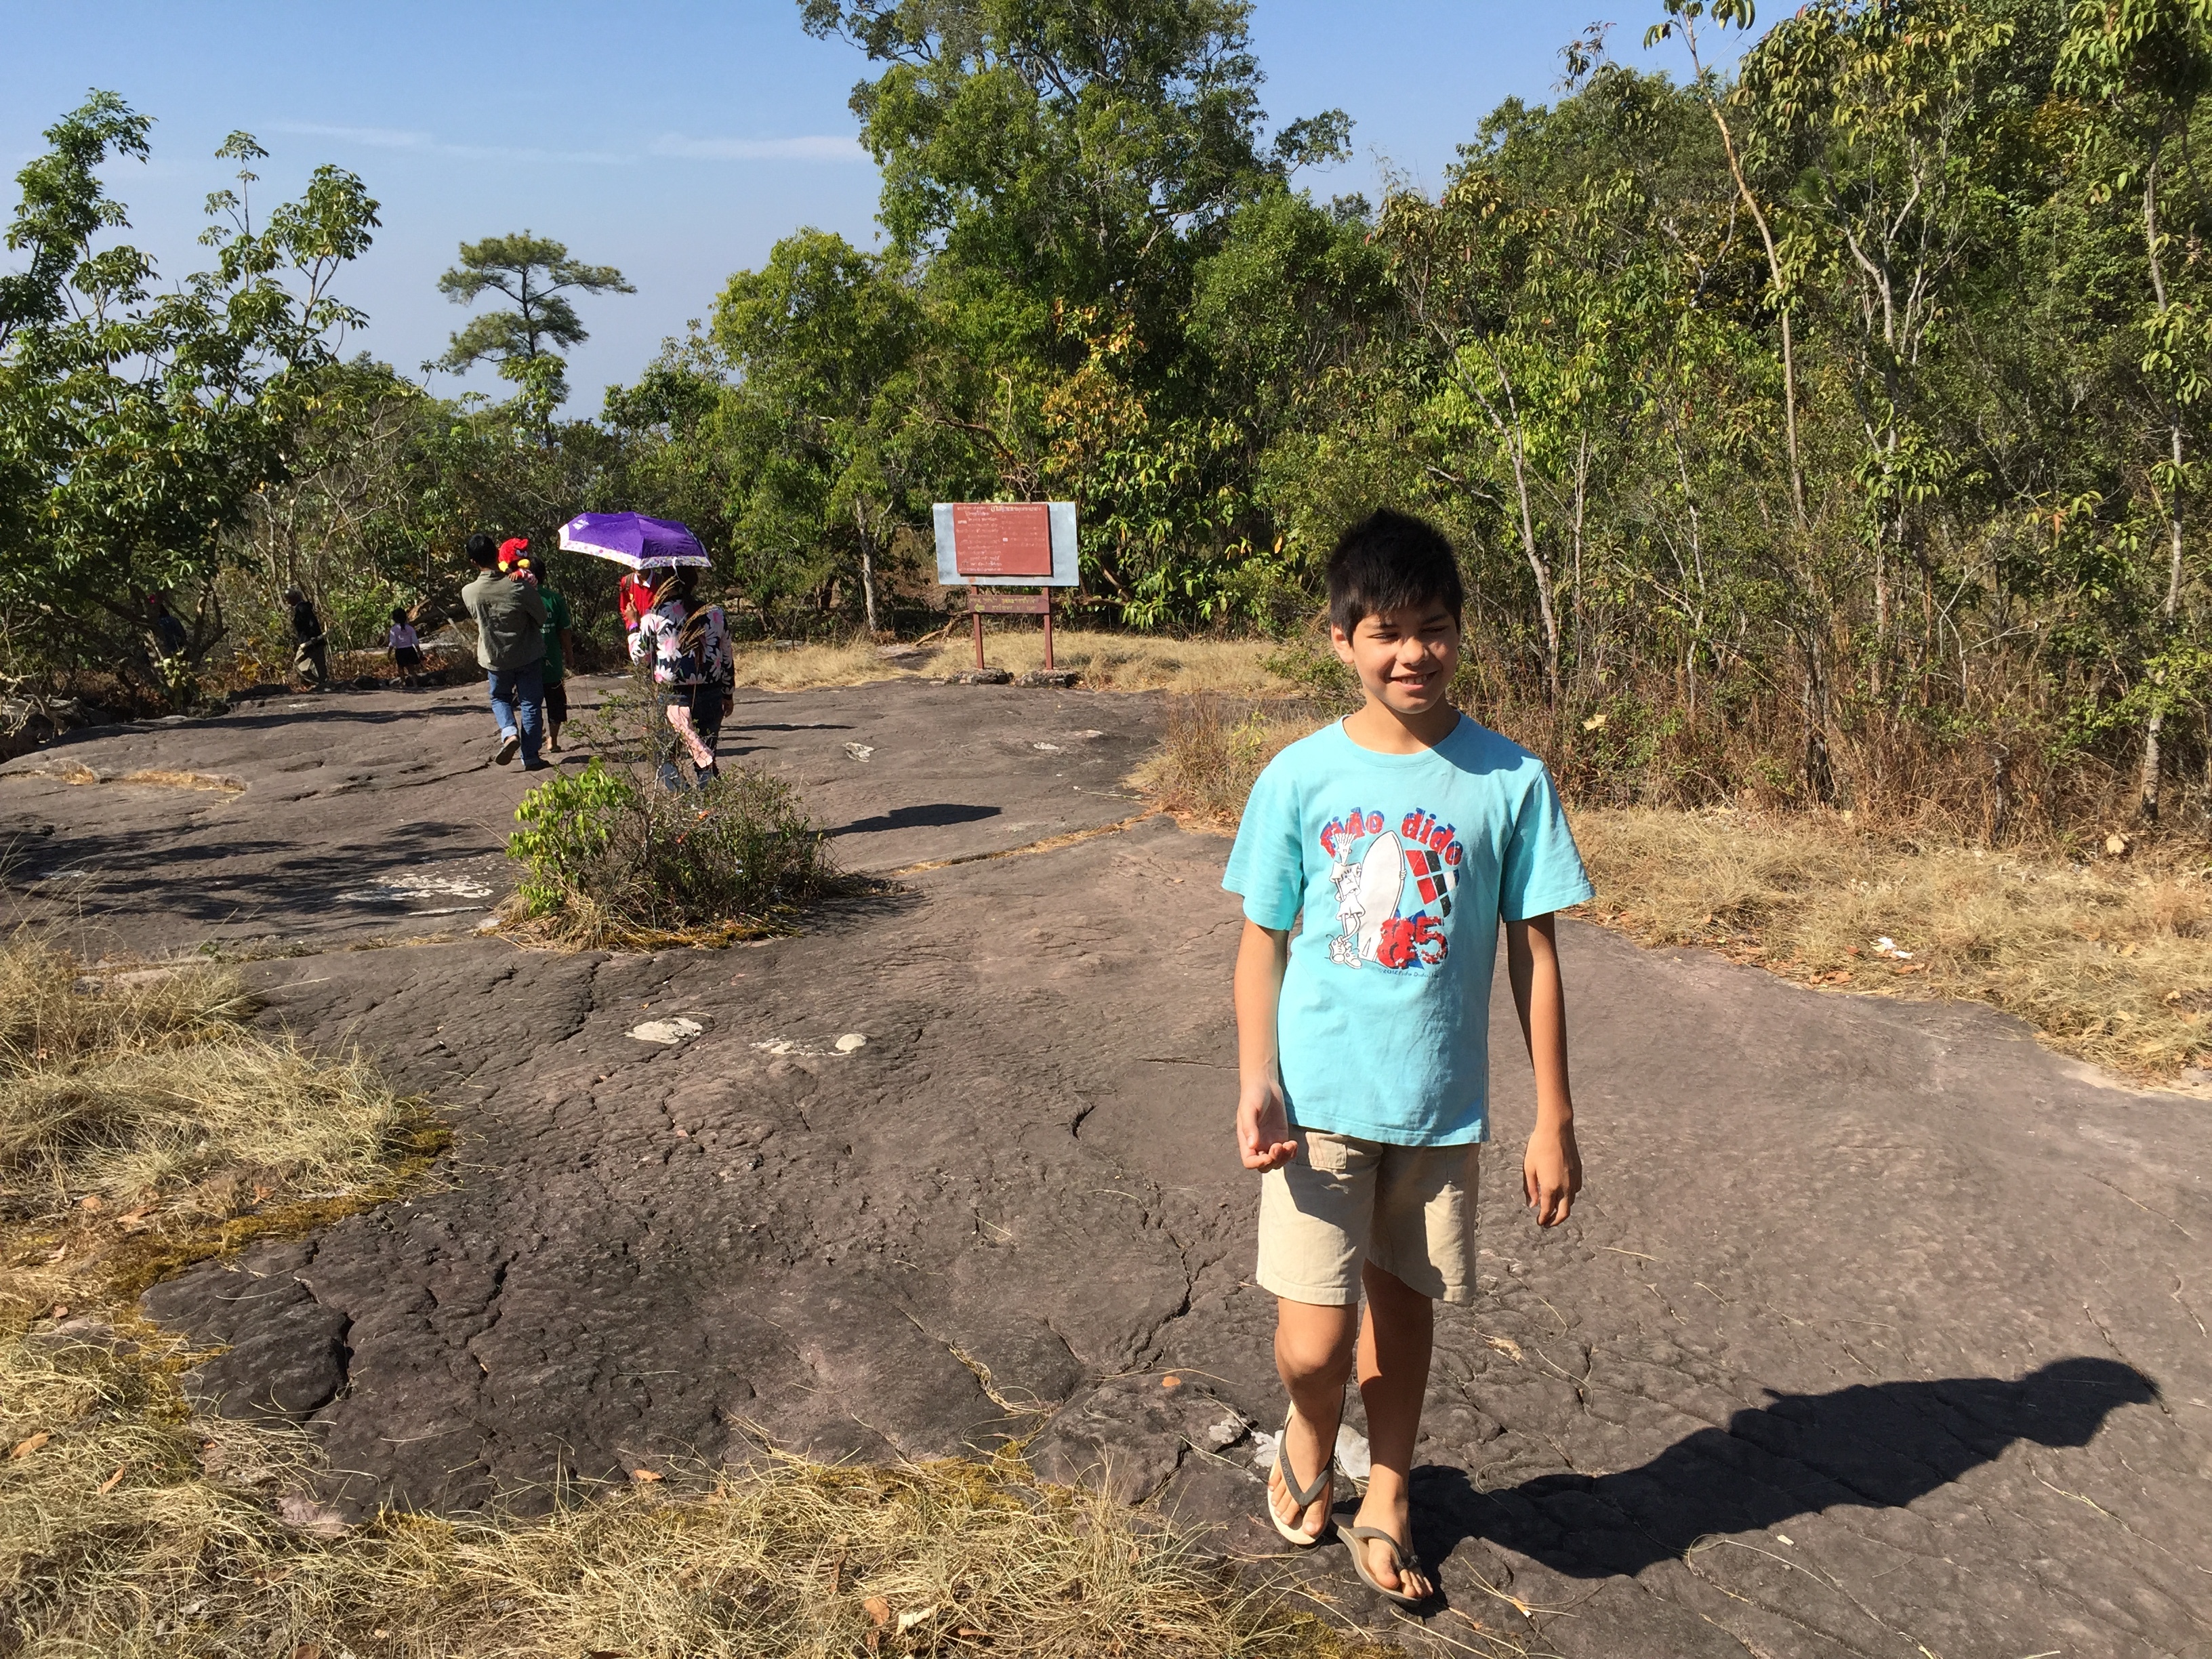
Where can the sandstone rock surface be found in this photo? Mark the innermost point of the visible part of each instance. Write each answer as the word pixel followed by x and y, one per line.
pixel 1879 1331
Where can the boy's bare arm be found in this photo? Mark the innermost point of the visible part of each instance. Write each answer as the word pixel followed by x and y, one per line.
pixel 1263 1128
pixel 1551 1172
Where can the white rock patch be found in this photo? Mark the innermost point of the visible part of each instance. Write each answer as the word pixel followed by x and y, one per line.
pixel 412 887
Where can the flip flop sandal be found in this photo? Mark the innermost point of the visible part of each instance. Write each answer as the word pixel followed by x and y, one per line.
pixel 1323 1486
pixel 1402 1560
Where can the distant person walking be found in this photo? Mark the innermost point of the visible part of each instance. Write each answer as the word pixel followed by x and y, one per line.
pixel 311 659
pixel 688 642
pixel 405 646
pixel 557 646
pixel 510 613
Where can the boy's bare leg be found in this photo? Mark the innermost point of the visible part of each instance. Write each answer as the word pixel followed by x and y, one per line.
pixel 1396 1335
pixel 1313 1356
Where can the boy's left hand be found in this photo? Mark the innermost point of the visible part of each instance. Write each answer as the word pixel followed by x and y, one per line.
pixel 1552 1173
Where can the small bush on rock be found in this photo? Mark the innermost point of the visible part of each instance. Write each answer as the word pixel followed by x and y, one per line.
pixel 610 861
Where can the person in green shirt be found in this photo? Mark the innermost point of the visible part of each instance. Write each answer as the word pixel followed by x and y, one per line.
pixel 557 645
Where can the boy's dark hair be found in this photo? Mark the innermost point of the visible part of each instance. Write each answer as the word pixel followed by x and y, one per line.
pixel 483 550
pixel 1391 561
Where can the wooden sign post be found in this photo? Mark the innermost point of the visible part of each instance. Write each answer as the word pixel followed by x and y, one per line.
pixel 1006 545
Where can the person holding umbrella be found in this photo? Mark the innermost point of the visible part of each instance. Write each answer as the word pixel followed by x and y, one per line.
pixel 688 642
pixel 658 553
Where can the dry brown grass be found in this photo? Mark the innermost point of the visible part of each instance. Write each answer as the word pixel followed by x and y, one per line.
pixel 797 668
pixel 1210 755
pixel 142 1125
pixel 2110 961
pixel 1107 662
pixel 129 1525
pixel 1125 662
pixel 188 1553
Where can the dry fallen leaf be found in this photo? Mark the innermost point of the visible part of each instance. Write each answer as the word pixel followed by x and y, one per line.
pixel 109 1484
pixel 878 1609
pixel 90 1201
pixel 643 1474
pixel 914 1616
pixel 138 1217
pixel 261 1193
pixel 61 1311
pixel 1171 1380
pixel 24 1448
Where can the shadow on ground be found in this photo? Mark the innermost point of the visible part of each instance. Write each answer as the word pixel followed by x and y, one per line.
pixel 1881 1445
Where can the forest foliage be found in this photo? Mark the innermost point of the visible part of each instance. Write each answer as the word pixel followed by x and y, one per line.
pixel 1830 428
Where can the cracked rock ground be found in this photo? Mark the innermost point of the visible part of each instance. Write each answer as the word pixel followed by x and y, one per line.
pixel 1878 1331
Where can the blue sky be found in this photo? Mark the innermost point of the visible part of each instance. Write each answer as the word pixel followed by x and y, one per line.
pixel 675 139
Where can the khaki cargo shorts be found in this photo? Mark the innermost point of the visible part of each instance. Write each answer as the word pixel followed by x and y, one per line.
pixel 1410 1210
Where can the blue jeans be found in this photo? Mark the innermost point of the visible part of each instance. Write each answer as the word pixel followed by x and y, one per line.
pixel 518 701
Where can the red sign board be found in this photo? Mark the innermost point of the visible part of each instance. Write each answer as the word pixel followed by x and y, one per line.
pixel 1002 538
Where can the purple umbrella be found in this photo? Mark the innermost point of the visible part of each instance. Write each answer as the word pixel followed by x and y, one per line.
pixel 631 538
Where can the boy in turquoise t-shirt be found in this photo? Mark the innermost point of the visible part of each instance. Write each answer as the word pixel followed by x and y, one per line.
pixel 1401 834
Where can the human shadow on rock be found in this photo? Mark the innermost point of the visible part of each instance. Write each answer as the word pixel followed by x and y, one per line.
pixel 936 816
pixel 1875 1445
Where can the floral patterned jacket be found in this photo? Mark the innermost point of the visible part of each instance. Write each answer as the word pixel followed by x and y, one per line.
pixel 692 650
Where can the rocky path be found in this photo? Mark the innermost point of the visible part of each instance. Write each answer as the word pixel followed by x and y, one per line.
pixel 1879 1331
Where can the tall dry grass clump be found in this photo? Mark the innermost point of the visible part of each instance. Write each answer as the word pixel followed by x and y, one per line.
pixel 1210 755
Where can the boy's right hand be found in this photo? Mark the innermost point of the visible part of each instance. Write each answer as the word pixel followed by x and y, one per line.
pixel 1263 1127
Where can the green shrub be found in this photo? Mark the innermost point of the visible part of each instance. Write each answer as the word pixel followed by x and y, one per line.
pixel 569 823
pixel 610 861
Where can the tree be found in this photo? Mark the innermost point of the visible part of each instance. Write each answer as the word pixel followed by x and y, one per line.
pixel 1900 123
pixel 535 273
pixel 1682 17
pixel 824 337
pixel 2143 67
pixel 1056 170
pixel 136 429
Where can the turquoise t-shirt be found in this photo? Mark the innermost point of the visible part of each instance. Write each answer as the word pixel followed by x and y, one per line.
pixel 1402 865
